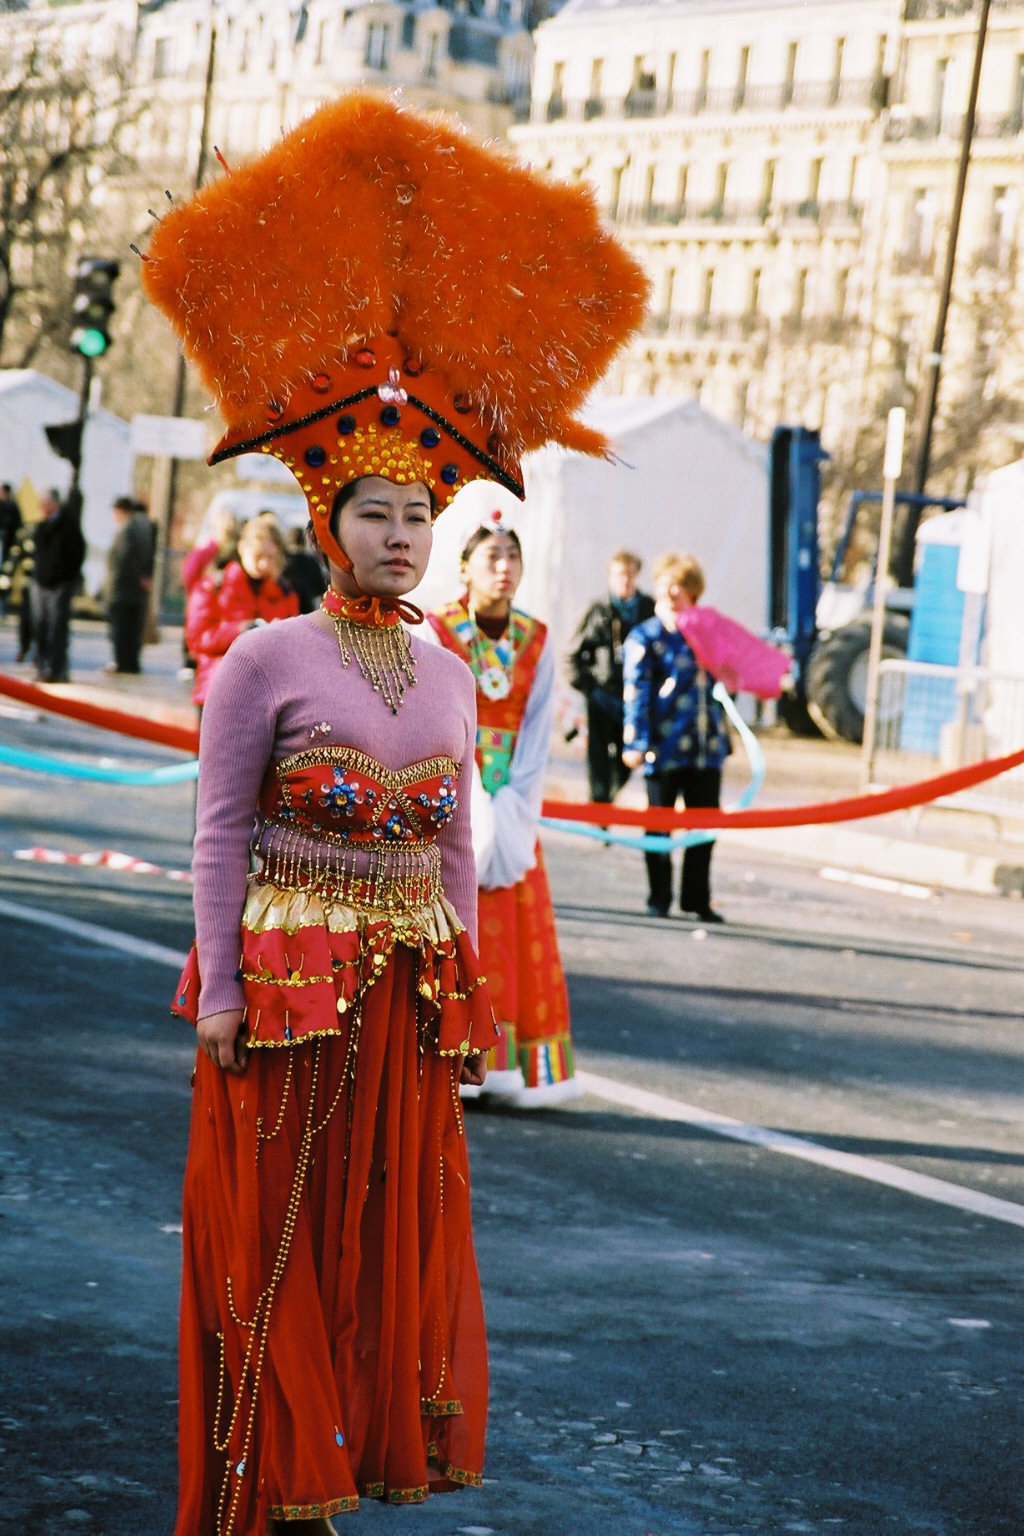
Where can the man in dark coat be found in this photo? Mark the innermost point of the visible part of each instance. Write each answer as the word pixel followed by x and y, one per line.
pixel 129 582
pixel 59 558
pixel 595 670
pixel 10 520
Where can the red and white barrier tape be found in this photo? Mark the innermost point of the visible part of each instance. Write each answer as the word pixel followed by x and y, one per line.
pixel 105 858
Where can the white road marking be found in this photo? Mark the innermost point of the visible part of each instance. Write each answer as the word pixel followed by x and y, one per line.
pixel 877 883
pixel 110 938
pixel 660 1107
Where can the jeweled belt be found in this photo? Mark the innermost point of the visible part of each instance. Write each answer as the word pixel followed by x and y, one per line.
pixel 366 875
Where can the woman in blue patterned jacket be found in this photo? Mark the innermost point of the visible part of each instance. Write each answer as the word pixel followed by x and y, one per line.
pixel 675 729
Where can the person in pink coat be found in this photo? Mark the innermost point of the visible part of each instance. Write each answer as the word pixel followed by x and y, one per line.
pixel 249 592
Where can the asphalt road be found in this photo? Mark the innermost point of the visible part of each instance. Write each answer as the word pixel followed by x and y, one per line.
pixel 692 1329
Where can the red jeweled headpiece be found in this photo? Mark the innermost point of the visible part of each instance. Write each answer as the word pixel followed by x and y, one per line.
pixel 379 295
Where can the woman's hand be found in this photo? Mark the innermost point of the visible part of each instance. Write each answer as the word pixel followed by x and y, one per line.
pixel 222 1037
pixel 474 1070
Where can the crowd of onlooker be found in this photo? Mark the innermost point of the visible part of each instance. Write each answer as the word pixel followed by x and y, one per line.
pixel 236 576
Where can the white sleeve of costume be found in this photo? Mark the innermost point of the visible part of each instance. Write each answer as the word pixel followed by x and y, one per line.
pixel 506 848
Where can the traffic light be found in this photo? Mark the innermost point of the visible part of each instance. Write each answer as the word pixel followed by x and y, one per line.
pixel 93 305
pixel 65 438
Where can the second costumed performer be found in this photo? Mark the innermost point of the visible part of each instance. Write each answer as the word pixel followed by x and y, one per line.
pixel 392 311
pixel 531 1065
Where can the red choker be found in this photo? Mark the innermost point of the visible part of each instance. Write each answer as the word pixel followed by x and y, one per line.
pixel 375 612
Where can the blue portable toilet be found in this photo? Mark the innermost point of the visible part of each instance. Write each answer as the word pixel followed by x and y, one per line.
pixel 935 628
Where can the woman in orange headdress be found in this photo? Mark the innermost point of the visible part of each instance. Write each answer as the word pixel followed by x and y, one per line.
pixel 332 1341
pixel 531 1065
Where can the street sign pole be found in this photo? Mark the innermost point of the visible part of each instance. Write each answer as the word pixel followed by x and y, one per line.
pixel 891 470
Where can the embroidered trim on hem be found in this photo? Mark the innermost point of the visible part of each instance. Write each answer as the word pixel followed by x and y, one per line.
pixel 313 1511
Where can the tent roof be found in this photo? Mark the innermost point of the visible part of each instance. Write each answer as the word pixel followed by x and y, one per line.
pixel 15 381
pixel 620 415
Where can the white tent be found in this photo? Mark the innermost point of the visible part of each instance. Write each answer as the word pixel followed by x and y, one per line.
pixel 29 401
pixel 681 480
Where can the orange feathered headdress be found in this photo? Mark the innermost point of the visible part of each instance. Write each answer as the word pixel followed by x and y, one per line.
pixel 380 295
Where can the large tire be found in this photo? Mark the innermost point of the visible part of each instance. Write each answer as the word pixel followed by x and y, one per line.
pixel 837 674
pixel 792 711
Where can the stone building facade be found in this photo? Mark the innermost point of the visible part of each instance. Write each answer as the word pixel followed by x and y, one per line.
pixel 785 172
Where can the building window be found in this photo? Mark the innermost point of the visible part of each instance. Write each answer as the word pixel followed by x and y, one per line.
pixel 767 187
pixel 837 71
pixel 741 76
pixel 939 94
pixel 1001 221
pixel 378 45
pixel 707 296
pixel 1017 105
pixel 433 55
pixel 799 301
pixel 702 83
pixel 790 82
pixel 556 100
pixel 920 234
pixel 163 58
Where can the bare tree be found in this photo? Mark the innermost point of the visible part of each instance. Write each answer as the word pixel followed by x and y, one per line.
pixel 62 130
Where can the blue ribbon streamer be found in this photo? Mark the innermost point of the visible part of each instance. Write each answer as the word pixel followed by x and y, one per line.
pixel 144 778
pixel 658 842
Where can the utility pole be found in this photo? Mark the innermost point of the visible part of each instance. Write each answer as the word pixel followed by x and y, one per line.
pixel 903 549
pixel 166 471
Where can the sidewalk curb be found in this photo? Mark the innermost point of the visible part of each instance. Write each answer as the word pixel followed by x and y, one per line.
pixel 889 857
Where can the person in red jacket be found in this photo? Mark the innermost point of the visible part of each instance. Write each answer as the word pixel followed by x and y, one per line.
pixel 250 591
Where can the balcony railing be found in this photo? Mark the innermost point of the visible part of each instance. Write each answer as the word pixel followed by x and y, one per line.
pixel 640 102
pixel 707 327
pixel 821 214
pixel 987 125
pixel 932 10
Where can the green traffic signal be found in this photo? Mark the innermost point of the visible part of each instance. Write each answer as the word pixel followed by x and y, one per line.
pixel 90 342
pixel 93 305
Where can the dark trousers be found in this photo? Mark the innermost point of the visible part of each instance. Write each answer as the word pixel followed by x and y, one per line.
pixel 51 627
pixel 25 639
pixel 127 631
pixel 697 788
pixel 606 772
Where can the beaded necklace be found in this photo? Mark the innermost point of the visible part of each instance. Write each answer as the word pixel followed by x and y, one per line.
pixel 370 629
pixel 493 661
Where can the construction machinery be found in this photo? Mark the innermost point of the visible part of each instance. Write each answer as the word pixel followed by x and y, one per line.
pixel 825 622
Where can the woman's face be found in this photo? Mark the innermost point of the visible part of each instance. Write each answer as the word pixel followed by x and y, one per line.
pixel 669 592
pixel 492 572
pixel 386 532
pixel 259 555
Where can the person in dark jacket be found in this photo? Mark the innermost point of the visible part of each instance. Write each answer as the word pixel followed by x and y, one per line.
pixel 10 520
pixel 129 582
pixel 59 558
pixel 676 730
pixel 595 670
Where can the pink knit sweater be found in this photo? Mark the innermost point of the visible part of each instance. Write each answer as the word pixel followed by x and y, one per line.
pixel 274 692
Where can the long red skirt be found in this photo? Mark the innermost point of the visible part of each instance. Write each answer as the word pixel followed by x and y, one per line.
pixel 332 1330
pixel 518 950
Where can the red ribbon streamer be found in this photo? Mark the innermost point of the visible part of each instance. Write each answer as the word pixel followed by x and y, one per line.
pixel 857 808
pixel 184 738
pixel 854 809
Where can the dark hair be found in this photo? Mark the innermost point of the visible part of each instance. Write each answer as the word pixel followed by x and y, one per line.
pixel 487 531
pixel 126 504
pixel 348 491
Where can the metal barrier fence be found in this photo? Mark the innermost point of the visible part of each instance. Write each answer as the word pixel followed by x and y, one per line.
pixel 932 719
